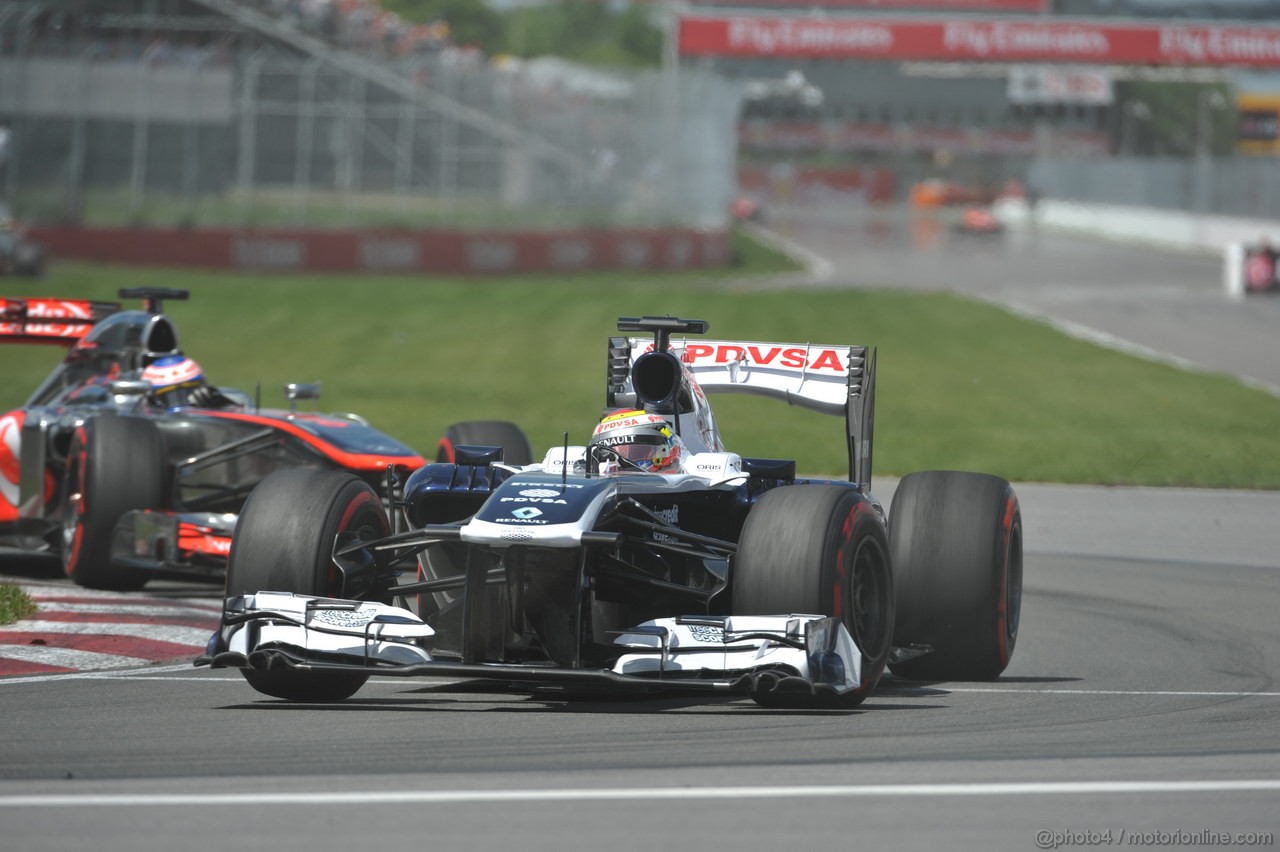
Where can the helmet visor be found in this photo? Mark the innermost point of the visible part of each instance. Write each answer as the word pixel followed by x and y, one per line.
pixel 638 451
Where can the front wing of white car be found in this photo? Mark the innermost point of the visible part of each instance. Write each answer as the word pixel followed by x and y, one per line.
pixel 796 660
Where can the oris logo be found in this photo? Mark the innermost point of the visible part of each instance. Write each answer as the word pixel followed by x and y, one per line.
pixel 539 492
pixel 527 512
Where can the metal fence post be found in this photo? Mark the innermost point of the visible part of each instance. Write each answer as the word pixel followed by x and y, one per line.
pixel 191 154
pixel 306 131
pixel 74 196
pixel 138 164
pixel 448 182
pixel 247 149
pixel 10 157
pixel 406 130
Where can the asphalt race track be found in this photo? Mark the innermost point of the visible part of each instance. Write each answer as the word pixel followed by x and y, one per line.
pixel 1165 302
pixel 1142 708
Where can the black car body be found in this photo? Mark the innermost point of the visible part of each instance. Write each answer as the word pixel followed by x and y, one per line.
pixel 122 490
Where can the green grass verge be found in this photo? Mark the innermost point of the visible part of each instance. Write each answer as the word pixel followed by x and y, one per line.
pixel 962 384
pixel 15 604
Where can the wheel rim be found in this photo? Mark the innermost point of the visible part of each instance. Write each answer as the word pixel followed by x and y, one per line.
pixel 868 599
pixel 362 521
pixel 1013 588
pixel 73 511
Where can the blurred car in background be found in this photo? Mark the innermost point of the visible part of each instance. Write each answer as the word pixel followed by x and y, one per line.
pixel 979 221
pixel 744 208
pixel 19 254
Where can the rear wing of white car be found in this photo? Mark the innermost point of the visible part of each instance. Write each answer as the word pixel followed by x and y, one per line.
pixel 838 380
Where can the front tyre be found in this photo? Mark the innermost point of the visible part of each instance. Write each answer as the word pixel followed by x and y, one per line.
pixel 516 449
pixel 115 465
pixel 956 543
pixel 284 542
pixel 821 550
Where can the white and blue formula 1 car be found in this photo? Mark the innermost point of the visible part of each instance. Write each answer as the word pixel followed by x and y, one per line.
pixel 589 572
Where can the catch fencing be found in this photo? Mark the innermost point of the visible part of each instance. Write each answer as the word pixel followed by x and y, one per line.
pixel 1247 187
pixel 196 139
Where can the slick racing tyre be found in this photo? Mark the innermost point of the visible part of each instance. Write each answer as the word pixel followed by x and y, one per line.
pixel 822 550
pixel 516 449
pixel 115 465
pixel 956 544
pixel 284 542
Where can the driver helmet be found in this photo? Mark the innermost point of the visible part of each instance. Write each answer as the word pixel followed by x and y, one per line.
pixel 172 379
pixel 643 439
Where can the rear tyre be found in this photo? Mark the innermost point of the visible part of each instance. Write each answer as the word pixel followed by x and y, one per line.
pixel 822 550
pixel 956 543
pixel 516 449
pixel 115 465
pixel 284 542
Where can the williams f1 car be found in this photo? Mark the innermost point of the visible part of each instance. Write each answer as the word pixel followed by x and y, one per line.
pixel 589 571
pixel 124 489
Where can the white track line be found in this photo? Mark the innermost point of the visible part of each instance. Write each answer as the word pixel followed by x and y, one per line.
pixel 364 797
pixel 819 268
pixel 132 669
pixel 158 610
pixel 172 673
pixel 1120 344
pixel 1176 692
pixel 59 590
pixel 66 658
pixel 195 636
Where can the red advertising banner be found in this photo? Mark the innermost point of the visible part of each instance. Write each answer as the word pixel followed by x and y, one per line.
pixel 1033 6
pixel 757 135
pixel 814 183
pixel 464 252
pixel 982 40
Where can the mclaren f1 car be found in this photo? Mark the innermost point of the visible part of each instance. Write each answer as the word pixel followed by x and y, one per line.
pixel 125 487
pixel 590 571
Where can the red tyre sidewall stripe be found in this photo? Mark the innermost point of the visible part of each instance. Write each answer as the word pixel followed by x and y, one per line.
pixel 1002 601
pixel 445 447
pixel 81 461
pixel 842 579
pixel 354 506
pixel 358 502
